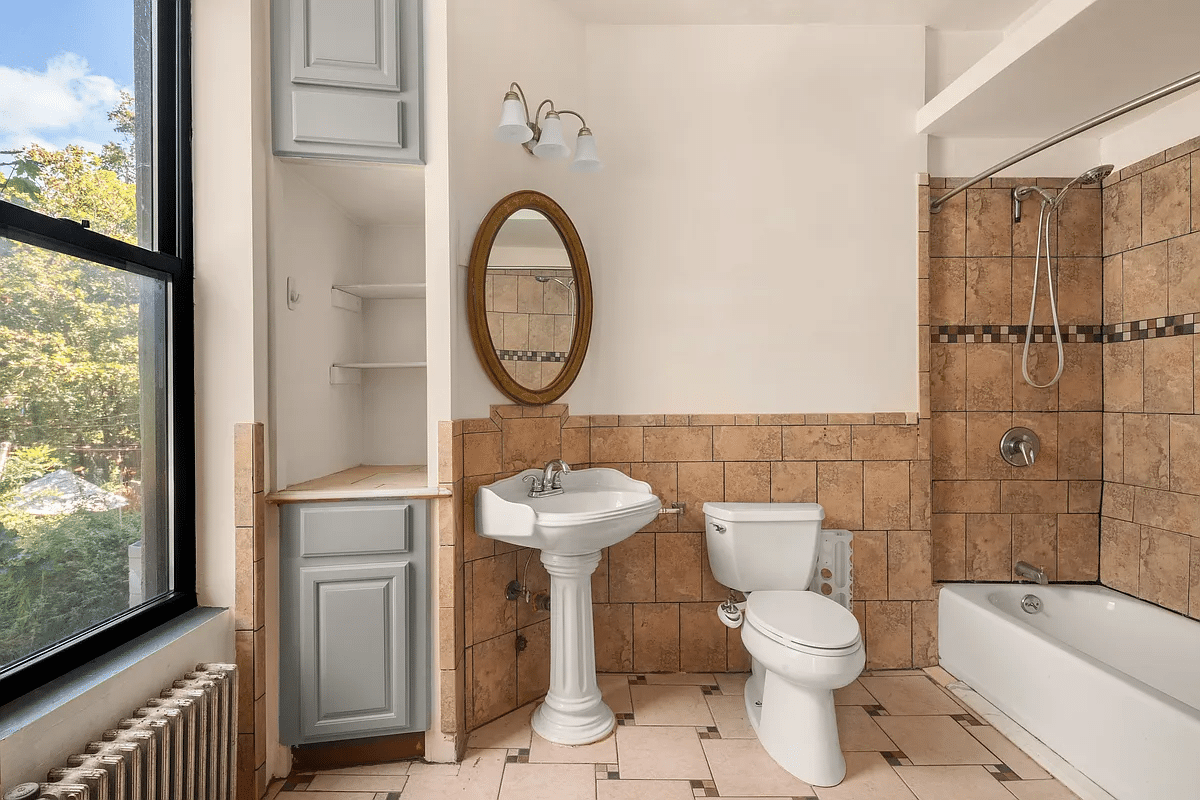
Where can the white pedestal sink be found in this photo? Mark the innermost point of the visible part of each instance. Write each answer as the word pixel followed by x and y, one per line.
pixel 597 508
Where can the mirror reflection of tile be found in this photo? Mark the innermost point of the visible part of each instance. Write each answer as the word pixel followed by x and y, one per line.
pixel 531 320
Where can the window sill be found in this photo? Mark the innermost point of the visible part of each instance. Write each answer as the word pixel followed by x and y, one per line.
pixel 40 729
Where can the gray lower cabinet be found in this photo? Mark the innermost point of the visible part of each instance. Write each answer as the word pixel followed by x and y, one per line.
pixel 346 79
pixel 354 644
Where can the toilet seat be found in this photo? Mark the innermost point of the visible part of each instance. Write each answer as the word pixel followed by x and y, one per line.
pixel 804 621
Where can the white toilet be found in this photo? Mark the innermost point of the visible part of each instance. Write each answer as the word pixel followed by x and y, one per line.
pixel 803 645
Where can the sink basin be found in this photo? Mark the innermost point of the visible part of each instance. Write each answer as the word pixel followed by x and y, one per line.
pixel 597 508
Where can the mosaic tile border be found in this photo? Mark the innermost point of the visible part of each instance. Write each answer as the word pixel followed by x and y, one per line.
pixel 547 356
pixel 1152 328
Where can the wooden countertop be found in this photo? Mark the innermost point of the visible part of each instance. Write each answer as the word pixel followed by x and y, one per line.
pixel 363 483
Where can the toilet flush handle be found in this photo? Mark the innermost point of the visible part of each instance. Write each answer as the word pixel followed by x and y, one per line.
pixel 718 527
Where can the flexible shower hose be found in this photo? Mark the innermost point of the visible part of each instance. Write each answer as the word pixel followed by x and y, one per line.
pixel 1043 228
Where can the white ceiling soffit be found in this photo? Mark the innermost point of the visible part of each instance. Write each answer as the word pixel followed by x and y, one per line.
pixel 1072 60
pixel 370 194
pixel 959 15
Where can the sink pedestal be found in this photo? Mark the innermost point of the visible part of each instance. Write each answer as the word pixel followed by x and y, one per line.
pixel 573 712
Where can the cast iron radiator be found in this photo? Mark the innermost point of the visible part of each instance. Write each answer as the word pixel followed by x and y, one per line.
pixel 180 746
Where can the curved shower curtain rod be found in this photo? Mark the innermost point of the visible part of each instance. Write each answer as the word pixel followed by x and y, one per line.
pixel 1157 94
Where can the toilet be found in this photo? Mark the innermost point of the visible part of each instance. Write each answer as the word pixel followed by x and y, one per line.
pixel 803 645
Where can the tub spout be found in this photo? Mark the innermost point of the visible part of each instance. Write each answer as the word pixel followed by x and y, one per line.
pixel 1029 572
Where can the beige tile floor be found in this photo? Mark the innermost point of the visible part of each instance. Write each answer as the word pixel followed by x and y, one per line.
pixel 685 736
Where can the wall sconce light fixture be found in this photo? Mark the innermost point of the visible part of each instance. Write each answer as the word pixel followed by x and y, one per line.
pixel 545 140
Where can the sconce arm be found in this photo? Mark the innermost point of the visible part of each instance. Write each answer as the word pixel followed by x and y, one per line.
pixel 541 105
pixel 575 114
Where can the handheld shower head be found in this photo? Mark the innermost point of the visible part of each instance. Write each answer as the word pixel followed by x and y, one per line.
pixel 1095 174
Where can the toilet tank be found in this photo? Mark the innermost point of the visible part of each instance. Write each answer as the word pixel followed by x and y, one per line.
pixel 756 546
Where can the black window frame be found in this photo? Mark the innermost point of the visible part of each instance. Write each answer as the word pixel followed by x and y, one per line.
pixel 172 262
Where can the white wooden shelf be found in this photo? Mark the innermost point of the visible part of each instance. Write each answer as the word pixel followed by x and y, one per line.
pixel 350 296
pixel 351 372
pixel 384 291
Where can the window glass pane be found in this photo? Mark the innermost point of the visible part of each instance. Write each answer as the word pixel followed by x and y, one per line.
pixel 83 529
pixel 76 117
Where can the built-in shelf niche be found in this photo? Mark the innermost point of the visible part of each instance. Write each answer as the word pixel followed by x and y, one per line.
pixel 349 296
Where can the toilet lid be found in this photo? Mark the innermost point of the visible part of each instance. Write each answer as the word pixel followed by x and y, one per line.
pixel 804 618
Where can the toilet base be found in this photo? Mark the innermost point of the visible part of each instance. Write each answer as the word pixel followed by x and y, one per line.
pixel 796 726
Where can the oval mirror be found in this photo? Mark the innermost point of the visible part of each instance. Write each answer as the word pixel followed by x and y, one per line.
pixel 530 298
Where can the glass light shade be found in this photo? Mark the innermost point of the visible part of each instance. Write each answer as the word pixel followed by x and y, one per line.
pixel 513 127
pixel 551 143
pixel 586 157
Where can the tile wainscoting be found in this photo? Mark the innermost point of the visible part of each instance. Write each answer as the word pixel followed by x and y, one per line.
pixel 988 515
pixel 1150 526
pixel 654 595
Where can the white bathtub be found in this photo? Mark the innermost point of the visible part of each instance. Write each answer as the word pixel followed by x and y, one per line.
pixel 1110 683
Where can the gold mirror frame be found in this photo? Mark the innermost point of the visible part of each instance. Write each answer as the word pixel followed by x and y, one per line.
pixel 481 250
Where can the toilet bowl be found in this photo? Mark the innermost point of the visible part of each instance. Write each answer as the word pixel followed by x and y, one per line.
pixel 797 662
pixel 802 645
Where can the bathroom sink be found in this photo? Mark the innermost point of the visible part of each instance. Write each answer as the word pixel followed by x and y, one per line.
pixel 597 508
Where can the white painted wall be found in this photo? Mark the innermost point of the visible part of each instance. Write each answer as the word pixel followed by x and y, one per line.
pixel 755 213
pixel 231 333
pixel 1168 126
pixel 491 43
pixel 965 156
pixel 317 427
pixel 754 241
pixel 393 401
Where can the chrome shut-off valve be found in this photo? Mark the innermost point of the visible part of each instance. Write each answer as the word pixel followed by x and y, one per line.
pixel 1019 447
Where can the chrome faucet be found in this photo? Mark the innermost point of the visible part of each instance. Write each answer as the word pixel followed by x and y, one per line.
pixel 1029 572
pixel 551 481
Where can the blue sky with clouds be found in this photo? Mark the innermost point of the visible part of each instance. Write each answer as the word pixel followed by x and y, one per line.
pixel 62 67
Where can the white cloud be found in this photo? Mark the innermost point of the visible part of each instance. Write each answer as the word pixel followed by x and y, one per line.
pixel 64 104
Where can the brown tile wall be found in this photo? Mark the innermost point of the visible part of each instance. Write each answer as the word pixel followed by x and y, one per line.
pixel 988 515
pixel 1150 527
pixel 654 595
pixel 452 653
pixel 250 633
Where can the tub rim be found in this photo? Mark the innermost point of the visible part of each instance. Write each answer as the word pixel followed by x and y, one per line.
pixel 976 594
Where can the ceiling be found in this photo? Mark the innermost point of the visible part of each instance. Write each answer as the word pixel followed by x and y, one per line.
pixel 941 14
pixel 1107 54
pixel 370 194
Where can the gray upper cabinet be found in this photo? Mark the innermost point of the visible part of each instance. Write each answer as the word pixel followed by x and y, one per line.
pixel 346 79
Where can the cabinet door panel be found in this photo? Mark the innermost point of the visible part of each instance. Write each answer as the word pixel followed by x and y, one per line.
pixel 355 655
pixel 346 43
pixel 354 620
pixel 329 118
pixel 340 529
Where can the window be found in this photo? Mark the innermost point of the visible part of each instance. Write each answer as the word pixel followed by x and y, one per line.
pixel 97 532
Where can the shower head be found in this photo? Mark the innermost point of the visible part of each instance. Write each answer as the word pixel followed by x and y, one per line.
pixel 1095 174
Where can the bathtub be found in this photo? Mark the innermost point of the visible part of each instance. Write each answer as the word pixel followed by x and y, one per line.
pixel 1110 683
